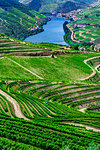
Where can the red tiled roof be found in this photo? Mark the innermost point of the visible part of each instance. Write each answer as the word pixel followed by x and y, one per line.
pixel 98 45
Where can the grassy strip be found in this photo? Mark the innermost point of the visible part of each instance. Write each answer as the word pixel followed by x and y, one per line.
pixel 51 92
pixel 2 98
pixel 39 88
pixel 74 104
pixel 70 93
pixel 67 100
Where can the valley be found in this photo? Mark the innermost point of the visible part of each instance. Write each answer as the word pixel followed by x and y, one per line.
pixel 53 32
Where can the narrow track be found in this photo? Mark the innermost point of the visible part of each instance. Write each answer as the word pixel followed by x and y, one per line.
pixel 72 35
pixel 83 109
pixel 17 109
pixel 94 70
pixel 86 126
pixel 25 68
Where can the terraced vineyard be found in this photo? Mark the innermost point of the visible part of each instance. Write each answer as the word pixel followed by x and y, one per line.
pixel 86 28
pixel 39 112
pixel 18 20
pixel 9 45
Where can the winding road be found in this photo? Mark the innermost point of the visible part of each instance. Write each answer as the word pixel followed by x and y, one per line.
pixel 94 70
pixel 72 35
pixel 17 109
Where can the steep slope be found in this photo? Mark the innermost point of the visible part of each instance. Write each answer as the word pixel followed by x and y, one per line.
pixel 19 21
pixel 56 5
pixel 46 114
pixel 86 26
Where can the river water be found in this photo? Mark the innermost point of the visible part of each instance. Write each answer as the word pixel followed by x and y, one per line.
pixel 53 32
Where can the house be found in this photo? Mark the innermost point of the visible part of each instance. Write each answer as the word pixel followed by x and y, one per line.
pixel 34 28
pixel 81 25
pixel 81 48
pixel 92 24
pixel 97 47
pixel 76 18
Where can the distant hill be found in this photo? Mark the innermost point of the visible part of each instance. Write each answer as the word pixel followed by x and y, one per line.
pixel 18 20
pixel 56 5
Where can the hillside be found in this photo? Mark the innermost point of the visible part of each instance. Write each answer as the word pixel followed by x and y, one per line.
pixel 49 6
pixel 19 21
pixel 48 103
pixel 86 26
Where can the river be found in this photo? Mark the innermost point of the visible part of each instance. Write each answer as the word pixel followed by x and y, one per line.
pixel 53 32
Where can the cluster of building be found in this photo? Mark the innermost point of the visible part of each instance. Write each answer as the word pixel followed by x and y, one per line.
pixel 34 28
pixel 70 14
pixel 76 18
pixel 81 25
pixel 96 48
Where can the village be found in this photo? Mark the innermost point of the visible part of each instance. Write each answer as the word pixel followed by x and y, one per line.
pixel 73 16
pixel 76 16
pixel 95 48
pixel 68 15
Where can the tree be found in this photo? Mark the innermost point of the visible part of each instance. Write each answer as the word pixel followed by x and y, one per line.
pixel 86 16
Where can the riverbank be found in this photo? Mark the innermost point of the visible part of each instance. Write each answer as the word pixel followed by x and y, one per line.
pixel 68 37
pixel 85 27
pixel 53 32
pixel 36 31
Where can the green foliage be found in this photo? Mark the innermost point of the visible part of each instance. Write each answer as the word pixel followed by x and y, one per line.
pixel 17 20
pixel 13 145
pixel 57 68
pixel 88 34
pixel 65 148
pixel 56 5
pixel 93 146
pixel 15 72
pixel 51 106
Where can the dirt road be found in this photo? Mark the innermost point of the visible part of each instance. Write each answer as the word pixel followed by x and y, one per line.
pixel 17 109
pixel 86 126
pixel 25 68
pixel 94 70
